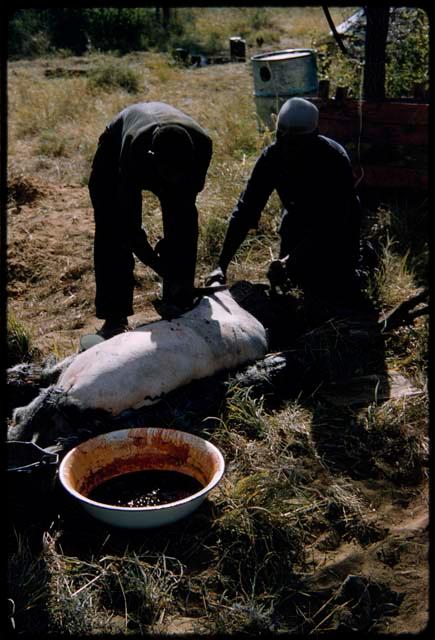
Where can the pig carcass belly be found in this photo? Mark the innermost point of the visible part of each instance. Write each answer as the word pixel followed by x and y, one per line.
pixel 140 367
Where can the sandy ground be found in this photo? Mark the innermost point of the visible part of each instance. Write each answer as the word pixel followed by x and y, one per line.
pixel 51 281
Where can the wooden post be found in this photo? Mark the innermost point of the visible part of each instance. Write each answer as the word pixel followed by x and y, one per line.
pixel 341 93
pixel 323 90
pixel 419 91
pixel 375 45
pixel 163 15
pixel 166 17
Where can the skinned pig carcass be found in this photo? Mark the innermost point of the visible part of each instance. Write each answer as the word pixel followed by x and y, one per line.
pixel 138 368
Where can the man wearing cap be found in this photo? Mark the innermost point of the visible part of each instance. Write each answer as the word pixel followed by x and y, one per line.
pixel 148 146
pixel 321 214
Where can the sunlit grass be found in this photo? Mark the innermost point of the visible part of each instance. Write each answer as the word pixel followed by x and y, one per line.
pixel 235 566
pixel 20 346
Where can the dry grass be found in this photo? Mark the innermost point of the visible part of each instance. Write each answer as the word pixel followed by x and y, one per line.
pixel 298 25
pixel 298 489
pixel 86 595
pixel 240 564
pixel 395 434
pixel 28 587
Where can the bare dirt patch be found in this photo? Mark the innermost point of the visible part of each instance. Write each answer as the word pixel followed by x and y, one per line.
pixel 50 266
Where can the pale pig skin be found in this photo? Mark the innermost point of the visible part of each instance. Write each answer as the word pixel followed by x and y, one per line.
pixel 138 368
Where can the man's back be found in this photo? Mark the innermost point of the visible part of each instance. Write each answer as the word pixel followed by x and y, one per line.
pixel 310 172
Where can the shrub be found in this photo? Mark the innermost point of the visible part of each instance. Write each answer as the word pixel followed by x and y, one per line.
pixel 51 145
pixel 19 344
pixel 408 57
pixel 33 32
pixel 259 19
pixel 112 77
pixel 28 33
pixel 121 29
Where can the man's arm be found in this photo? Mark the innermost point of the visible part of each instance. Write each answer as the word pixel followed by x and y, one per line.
pixel 245 215
pixel 132 233
pixel 130 203
pixel 146 254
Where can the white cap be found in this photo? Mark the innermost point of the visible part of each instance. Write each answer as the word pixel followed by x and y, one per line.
pixel 297 116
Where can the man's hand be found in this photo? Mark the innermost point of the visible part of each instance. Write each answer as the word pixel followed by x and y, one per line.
pixel 149 257
pixel 168 310
pixel 277 275
pixel 217 275
pixel 177 298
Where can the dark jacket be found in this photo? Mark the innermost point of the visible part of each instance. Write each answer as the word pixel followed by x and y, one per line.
pixel 321 213
pixel 122 169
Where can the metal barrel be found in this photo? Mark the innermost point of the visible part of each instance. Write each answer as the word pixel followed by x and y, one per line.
pixel 280 75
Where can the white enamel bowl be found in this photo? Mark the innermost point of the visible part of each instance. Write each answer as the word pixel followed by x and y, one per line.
pixel 112 454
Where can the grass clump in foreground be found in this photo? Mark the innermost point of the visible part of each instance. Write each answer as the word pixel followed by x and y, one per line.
pixel 80 596
pixel 28 588
pixel 19 342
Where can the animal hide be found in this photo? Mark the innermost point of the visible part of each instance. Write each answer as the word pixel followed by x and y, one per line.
pixel 138 368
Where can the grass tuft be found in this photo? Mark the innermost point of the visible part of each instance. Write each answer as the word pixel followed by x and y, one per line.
pixel 19 342
pixel 244 413
pixel 22 190
pixel 28 588
pixel 399 447
pixel 112 77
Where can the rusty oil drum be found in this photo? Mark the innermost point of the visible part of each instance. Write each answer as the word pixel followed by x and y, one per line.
pixel 280 75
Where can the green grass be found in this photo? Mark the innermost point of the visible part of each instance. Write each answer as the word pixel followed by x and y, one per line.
pixel 19 343
pixel 112 77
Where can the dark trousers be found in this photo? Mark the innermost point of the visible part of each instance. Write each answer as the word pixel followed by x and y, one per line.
pixel 178 249
pixel 323 270
pixel 114 260
pixel 324 259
